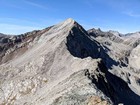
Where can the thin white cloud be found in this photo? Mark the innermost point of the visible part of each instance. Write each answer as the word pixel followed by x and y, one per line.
pixel 17 21
pixel 132 14
pixel 35 4
pixel 16 29
pixel 19 26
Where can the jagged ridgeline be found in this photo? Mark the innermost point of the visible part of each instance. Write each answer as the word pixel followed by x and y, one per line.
pixel 66 65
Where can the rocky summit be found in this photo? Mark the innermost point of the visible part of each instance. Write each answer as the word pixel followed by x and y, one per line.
pixel 67 65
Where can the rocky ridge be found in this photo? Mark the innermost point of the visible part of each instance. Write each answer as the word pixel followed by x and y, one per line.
pixel 67 65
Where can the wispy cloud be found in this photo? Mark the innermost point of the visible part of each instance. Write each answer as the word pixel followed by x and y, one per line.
pixel 17 21
pixel 35 4
pixel 132 14
pixel 19 26
pixel 16 29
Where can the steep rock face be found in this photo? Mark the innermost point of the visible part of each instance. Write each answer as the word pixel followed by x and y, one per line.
pixel 114 36
pixel 63 65
pixel 125 52
pixel 14 46
pixel 111 44
pixel 34 77
pixel 133 41
pixel 84 46
pixel 81 45
pixel 117 86
pixel 119 47
pixel 135 58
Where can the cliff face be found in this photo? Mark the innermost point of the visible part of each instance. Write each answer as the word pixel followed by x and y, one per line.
pixel 13 46
pixel 67 65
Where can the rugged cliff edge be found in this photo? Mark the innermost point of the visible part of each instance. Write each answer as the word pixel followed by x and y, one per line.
pixel 67 65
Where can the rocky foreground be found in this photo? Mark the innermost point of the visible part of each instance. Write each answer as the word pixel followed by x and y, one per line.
pixel 66 65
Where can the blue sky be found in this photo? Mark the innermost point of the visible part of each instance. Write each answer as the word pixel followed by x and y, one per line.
pixel 19 16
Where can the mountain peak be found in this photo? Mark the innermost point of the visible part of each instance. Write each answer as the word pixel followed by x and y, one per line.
pixel 70 65
pixel 67 21
pixel 70 19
